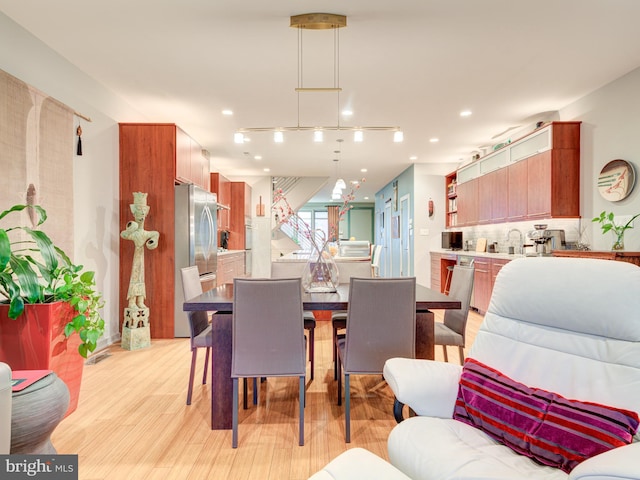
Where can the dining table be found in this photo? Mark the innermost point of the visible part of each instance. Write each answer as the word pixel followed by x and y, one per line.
pixel 220 301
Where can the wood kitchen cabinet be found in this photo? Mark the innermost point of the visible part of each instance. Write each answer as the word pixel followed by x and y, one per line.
pixel 482 283
pixel 221 186
pixel 230 266
pixel 618 256
pixel 468 203
pixel 537 177
pixel 517 186
pixel 153 158
pixel 240 215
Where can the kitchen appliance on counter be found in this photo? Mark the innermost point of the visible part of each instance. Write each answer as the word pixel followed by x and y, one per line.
pixel 547 240
pixel 224 239
pixel 196 243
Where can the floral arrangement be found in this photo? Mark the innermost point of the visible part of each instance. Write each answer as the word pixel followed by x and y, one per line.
pixel 322 273
pixel 284 213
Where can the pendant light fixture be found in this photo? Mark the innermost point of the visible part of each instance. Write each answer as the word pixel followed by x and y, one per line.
pixel 319 21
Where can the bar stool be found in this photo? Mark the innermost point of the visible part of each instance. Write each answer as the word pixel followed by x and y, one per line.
pixel 447 282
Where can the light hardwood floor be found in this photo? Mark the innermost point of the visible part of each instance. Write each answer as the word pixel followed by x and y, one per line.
pixel 132 421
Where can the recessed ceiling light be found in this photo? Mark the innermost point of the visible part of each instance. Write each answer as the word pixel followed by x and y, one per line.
pixel 258 157
pixel 363 170
pixel 413 157
pixel 227 112
pixel 465 113
pixel 347 112
pixel 434 140
pixel 366 198
pixel 266 169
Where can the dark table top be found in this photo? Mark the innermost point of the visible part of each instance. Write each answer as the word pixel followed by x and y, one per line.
pixel 221 299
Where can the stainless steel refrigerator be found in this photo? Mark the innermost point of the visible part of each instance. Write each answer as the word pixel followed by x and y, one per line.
pixel 195 242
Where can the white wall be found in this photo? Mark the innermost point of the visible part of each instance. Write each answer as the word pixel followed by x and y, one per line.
pixel 610 129
pixel 96 192
pixel 428 184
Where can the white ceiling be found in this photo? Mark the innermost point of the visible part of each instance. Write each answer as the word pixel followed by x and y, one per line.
pixel 415 64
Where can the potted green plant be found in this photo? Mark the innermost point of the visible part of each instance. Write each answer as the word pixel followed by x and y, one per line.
pixel 608 224
pixel 45 295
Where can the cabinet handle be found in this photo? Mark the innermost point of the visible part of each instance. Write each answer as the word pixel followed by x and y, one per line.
pixel 482 271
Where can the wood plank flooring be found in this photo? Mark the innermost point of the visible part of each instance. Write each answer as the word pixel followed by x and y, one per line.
pixel 132 421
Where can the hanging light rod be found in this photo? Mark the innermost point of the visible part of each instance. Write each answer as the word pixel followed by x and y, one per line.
pixel 318 89
pixel 301 128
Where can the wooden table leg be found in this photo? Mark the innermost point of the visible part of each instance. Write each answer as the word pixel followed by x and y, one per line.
pixel 221 384
pixel 425 335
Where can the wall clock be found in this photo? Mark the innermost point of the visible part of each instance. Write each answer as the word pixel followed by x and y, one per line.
pixel 616 180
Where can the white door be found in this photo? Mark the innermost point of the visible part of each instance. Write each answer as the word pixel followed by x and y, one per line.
pixel 385 261
pixel 405 243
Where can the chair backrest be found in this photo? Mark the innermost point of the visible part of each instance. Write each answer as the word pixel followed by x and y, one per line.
pixel 346 270
pixel 375 261
pixel 566 325
pixel 191 285
pixel 191 288
pixel 461 288
pixel 268 336
pixel 381 323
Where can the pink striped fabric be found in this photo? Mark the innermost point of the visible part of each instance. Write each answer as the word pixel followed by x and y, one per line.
pixel 542 425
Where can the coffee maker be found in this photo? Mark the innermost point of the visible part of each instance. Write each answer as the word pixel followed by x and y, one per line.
pixel 224 239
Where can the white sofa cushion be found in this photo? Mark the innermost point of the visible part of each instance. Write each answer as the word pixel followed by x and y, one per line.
pixel 428 448
pixel 358 463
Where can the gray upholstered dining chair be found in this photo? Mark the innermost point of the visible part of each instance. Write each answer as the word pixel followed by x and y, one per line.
pixel 452 330
pixel 268 336
pixel 381 324
pixel 293 270
pixel 199 326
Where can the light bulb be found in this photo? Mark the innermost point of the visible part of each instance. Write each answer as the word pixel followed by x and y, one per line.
pixel 358 136
pixel 238 137
pixel 278 136
pixel 398 136
pixel 318 136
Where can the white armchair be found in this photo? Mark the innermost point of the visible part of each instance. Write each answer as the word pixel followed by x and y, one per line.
pixel 5 408
pixel 567 326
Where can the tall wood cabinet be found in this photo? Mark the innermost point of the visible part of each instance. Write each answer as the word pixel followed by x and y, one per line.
pixel 240 215
pixel 221 186
pixel 153 158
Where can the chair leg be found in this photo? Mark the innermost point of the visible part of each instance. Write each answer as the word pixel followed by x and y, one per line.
pixel 234 424
pixel 444 349
pixel 347 409
pixel 206 365
pixel 194 354
pixel 461 350
pixel 301 405
pixel 339 366
pixel 335 353
pixel 255 390
pixel 244 394
pixel 312 335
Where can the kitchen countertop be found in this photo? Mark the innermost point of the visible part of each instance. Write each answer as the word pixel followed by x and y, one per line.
pixel 470 253
pixel 228 252
pixel 303 257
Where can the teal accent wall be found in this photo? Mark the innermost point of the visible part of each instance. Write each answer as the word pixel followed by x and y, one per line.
pixel 386 219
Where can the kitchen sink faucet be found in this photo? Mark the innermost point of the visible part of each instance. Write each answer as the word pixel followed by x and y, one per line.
pixel 521 239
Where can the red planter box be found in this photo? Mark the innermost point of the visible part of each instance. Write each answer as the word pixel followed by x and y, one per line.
pixel 36 341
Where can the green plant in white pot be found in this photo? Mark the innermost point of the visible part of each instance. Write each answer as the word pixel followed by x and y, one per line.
pixel 608 224
pixel 35 271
